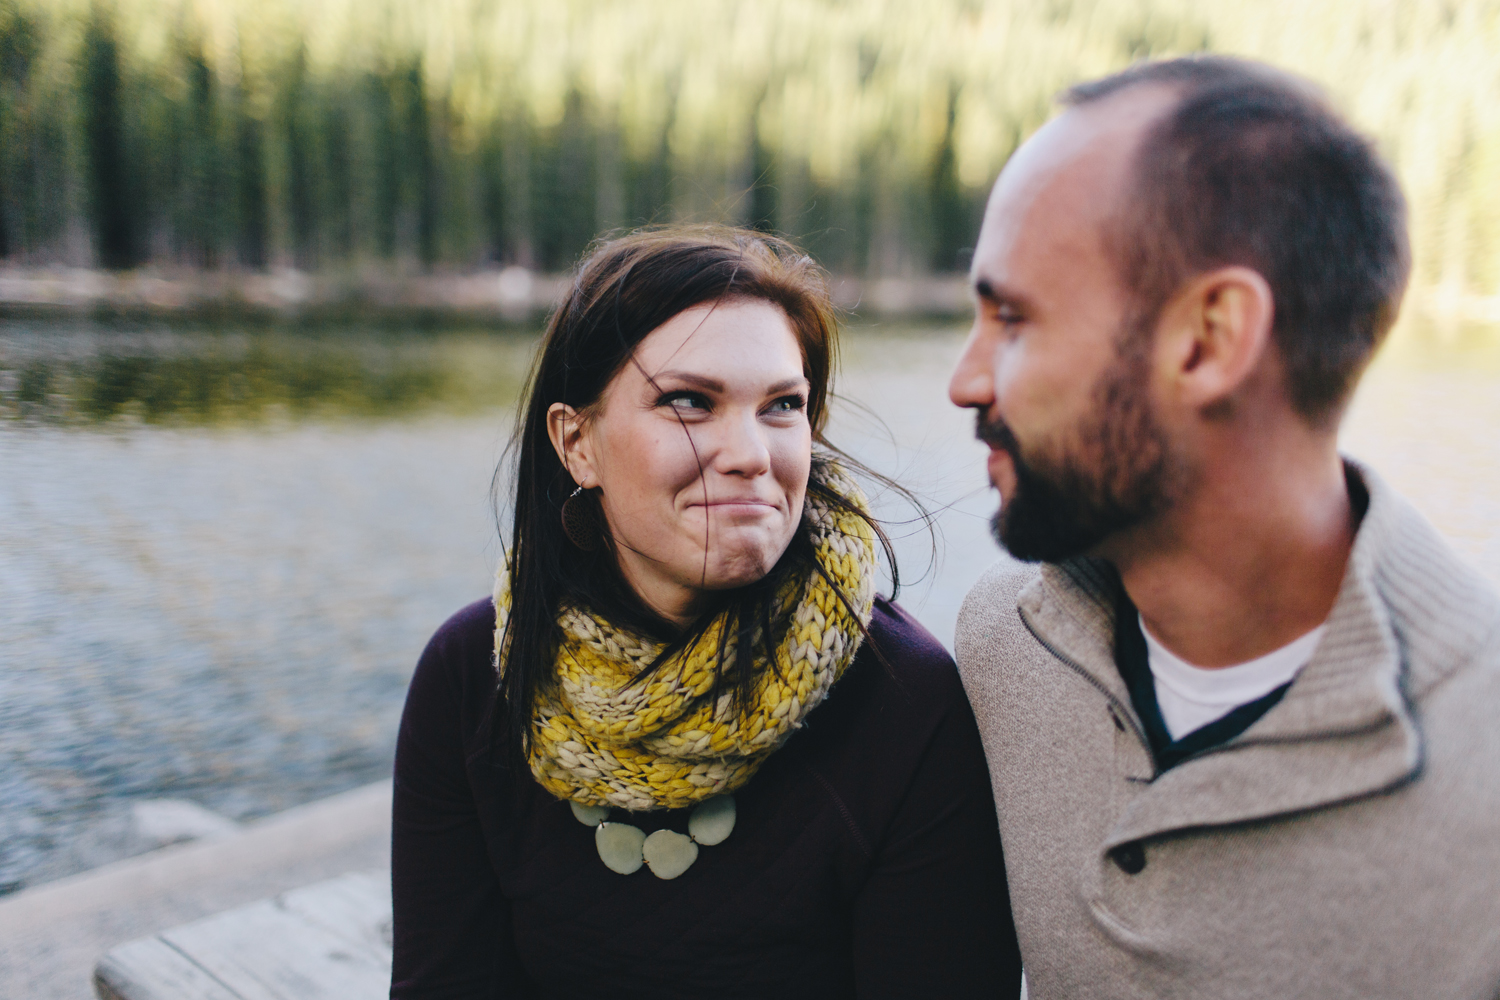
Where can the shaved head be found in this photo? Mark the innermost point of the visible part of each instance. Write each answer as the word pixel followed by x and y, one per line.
pixel 1246 165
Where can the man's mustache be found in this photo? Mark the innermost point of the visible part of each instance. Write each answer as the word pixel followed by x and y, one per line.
pixel 997 434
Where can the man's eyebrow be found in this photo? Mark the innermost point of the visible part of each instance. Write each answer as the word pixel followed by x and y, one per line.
pixel 997 294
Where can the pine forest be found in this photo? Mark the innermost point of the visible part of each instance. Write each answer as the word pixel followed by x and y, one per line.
pixel 458 134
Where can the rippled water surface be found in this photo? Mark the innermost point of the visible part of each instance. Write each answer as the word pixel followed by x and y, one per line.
pixel 221 554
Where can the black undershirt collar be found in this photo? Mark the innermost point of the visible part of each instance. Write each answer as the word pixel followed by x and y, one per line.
pixel 1135 668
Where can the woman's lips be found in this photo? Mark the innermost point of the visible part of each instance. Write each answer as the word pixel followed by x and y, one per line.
pixel 742 508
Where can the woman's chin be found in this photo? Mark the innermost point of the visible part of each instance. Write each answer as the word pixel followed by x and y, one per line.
pixel 739 568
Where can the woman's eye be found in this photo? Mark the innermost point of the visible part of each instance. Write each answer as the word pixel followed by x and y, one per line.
pixel 788 404
pixel 686 401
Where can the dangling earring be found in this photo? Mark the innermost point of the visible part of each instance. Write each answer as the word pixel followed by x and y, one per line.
pixel 580 521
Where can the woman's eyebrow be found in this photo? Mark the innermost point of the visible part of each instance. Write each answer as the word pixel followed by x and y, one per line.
pixel 799 382
pixel 714 385
pixel 701 381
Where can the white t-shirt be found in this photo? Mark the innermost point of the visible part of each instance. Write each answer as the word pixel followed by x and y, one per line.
pixel 1191 697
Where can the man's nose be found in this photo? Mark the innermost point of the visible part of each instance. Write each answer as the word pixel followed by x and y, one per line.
pixel 973 381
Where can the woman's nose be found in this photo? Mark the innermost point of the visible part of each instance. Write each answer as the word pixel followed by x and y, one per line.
pixel 742 446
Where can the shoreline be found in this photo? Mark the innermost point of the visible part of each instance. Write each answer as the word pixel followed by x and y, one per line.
pixel 492 296
pixel 495 295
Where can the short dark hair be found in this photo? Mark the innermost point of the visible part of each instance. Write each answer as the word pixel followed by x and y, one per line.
pixel 1252 167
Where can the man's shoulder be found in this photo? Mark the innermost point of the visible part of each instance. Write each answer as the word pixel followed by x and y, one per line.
pixel 1443 613
pixel 998 588
pixel 988 621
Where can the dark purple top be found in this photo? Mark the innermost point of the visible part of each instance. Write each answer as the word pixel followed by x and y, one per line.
pixel 865 860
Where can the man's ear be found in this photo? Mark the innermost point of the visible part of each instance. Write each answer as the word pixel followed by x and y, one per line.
pixel 566 427
pixel 1214 335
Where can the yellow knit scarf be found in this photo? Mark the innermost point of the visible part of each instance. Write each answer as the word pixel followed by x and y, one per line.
pixel 598 739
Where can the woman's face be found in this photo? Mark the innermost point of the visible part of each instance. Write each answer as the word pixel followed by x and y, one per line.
pixel 700 448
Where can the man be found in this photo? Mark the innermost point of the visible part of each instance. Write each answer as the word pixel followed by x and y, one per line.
pixel 1240 706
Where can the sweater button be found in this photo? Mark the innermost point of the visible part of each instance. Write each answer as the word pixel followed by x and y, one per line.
pixel 1130 858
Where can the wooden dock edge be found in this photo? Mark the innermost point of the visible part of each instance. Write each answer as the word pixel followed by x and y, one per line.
pixel 327 941
pixel 52 935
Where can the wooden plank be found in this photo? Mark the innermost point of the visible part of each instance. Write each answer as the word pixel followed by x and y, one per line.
pixel 266 952
pixel 356 906
pixel 331 939
pixel 151 969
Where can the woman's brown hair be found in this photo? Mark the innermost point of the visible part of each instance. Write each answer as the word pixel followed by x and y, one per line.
pixel 622 290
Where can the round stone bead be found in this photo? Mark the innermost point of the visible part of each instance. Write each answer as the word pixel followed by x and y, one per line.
pixel 619 846
pixel 669 853
pixel 713 821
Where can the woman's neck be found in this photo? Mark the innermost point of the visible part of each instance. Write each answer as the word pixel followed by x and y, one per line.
pixel 673 603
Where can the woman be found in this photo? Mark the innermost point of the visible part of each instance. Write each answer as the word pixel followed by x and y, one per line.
pixel 691 754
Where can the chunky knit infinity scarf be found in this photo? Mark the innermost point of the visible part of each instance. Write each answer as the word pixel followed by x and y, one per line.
pixel 598 739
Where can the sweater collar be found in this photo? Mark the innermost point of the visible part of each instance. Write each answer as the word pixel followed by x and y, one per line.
pixel 1409 612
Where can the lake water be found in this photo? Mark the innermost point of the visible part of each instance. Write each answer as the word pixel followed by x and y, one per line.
pixel 220 554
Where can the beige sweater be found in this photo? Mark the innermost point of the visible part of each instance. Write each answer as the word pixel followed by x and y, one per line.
pixel 1346 845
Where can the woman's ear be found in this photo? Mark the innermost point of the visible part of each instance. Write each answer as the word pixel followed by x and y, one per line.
pixel 1214 336
pixel 568 430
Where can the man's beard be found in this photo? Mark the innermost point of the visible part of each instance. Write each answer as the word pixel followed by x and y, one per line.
pixel 1114 473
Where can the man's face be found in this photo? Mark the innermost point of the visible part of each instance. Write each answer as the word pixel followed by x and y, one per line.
pixel 1056 365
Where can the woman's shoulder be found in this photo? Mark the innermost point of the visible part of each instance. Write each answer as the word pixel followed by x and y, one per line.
pixel 461 652
pixel 900 636
pixel 448 697
pixel 899 660
pixel 901 678
pixel 897 716
pixel 471 622
pixel 913 658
